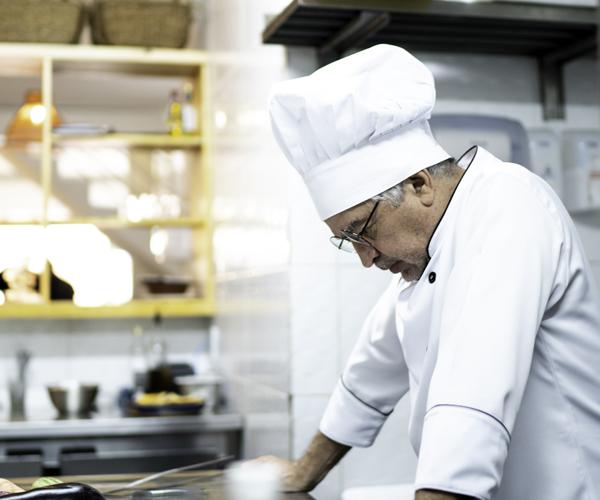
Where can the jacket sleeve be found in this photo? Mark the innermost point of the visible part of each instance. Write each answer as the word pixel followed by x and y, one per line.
pixel 507 255
pixel 373 381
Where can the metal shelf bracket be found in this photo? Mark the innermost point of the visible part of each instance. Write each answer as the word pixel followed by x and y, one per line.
pixel 552 91
pixel 362 27
pixel 551 67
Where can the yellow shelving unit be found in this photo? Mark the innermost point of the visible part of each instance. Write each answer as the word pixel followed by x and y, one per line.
pixel 132 140
pixel 47 60
pixel 115 223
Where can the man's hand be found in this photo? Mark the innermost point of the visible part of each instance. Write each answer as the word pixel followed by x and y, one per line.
pixel 304 474
pixel 292 478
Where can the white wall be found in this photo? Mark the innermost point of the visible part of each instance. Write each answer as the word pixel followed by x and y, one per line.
pixel 251 244
pixel 329 294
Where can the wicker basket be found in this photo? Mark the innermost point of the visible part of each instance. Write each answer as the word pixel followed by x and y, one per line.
pixel 141 22
pixel 40 21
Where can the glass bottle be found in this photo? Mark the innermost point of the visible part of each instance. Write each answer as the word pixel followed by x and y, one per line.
pixel 174 119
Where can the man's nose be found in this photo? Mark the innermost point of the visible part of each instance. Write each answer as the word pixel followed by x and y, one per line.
pixel 367 254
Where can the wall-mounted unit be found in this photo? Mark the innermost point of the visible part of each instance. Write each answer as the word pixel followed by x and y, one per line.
pixel 581 162
pixel 503 137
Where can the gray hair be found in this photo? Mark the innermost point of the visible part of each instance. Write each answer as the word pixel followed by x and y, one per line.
pixel 395 194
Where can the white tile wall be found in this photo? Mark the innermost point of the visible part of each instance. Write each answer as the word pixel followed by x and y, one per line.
pixel 251 243
pixel 310 239
pixel 306 415
pixel 266 433
pixel 313 329
pixel 390 460
pixel 95 351
pixel 328 294
pixel 357 290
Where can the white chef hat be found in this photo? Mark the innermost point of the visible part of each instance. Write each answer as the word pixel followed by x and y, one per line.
pixel 357 126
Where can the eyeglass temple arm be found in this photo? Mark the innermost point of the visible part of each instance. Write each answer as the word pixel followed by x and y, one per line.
pixel 369 219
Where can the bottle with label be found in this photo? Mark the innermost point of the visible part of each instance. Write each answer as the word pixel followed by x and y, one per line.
pixel 174 115
pixel 189 116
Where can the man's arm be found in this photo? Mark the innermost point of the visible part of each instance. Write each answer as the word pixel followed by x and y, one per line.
pixel 440 495
pixel 308 471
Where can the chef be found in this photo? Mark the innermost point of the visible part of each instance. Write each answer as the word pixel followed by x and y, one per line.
pixel 491 322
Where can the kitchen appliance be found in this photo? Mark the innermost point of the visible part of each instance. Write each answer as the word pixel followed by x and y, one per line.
pixel 503 137
pixel 581 162
pixel 115 445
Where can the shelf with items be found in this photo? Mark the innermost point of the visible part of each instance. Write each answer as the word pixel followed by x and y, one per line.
pixel 127 184
pixel 96 268
pixel 30 56
pixel 165 307
pixel 143 196
pixel 112 223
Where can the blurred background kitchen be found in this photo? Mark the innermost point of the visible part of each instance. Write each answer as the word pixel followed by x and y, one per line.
pixel 153 239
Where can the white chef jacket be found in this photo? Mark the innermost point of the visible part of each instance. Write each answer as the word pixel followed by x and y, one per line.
pixel 498 346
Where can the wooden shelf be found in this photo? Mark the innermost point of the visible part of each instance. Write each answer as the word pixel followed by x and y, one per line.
pixel 133 139
pixel 47 62
pixel 168 62
pixel 137 308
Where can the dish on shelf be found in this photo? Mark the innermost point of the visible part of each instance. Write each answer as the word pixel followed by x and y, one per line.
pixel 84 129
pixel 166 284
pixel 165 403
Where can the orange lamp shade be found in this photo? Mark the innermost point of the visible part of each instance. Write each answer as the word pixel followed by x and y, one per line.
pixel 29 119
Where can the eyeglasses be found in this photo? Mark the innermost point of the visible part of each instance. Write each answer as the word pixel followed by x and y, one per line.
pixel 349 238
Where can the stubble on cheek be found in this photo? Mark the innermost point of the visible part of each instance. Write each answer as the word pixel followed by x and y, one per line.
pixel 414 271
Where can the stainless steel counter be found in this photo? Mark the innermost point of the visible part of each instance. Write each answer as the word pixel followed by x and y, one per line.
pixel 118 426
pixel 111 444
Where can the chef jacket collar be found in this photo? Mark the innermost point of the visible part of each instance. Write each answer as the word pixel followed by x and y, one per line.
pixel 476 154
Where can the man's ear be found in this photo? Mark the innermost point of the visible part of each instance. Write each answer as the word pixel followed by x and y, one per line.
pixel 422 186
